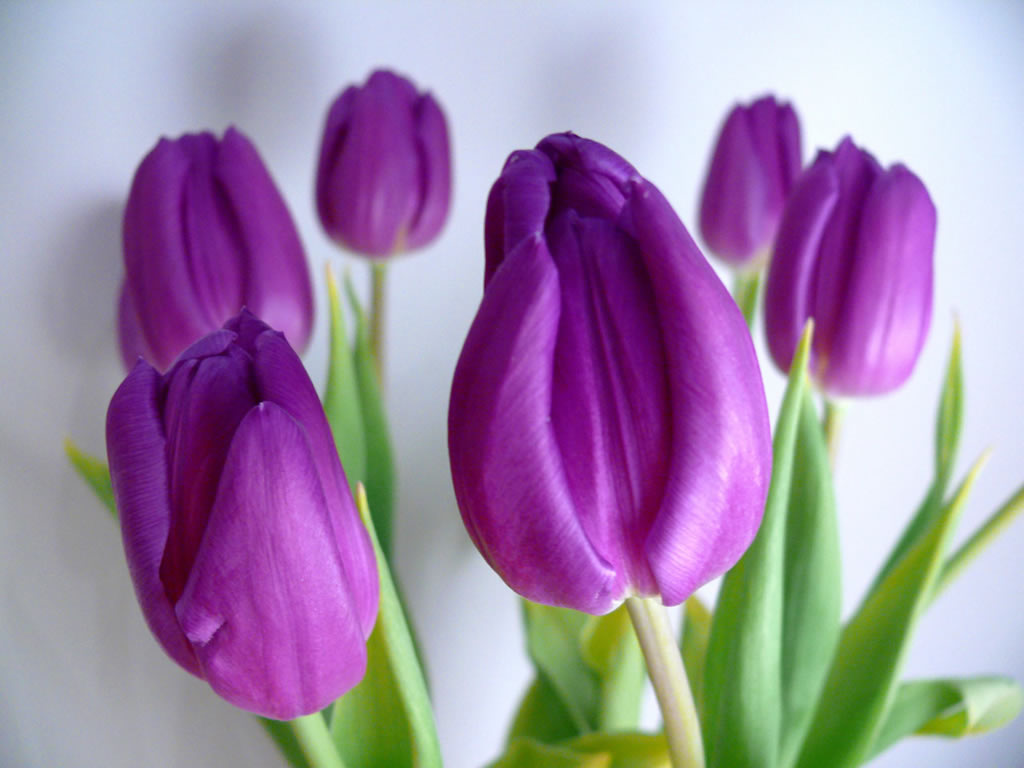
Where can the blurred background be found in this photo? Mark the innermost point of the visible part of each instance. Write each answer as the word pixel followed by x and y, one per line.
pixel 87 89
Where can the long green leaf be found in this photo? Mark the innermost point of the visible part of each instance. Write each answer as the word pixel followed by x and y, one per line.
pixel 342 400
pixel 623 749
pixel 694 645
pixel 284 737
pixel 387 719
pixel 743 673
pixel 542 716
pixel 94 472
pixel 863 679
pixel 950 708
pixel 609 646
pixel 526 753
pixel 380 475
pixel 949 421
pixel 812 599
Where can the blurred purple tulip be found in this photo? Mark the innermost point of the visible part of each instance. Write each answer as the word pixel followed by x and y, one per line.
pixel 855 252
pixel 755 163
pixel 207 233
pixel 383 183
pixel 607 430
pixel 249 560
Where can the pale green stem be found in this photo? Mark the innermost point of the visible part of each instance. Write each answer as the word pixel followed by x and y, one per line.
pixel 744 292
pixel 315 741
pixel 833 425
pixel 377 315
pixel 672 689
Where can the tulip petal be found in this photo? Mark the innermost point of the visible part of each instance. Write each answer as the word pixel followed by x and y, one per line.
pixel 138 472
pixel 435 172
pixel 156 262
pixel 267 607
pixel 591 177
pixel 277 286
pixel 509 476
pixel 793 271
pixel 610 394
pixel 130 338
pixel 281 379
pixel 887 313
pixel 517 205
pixel 721 441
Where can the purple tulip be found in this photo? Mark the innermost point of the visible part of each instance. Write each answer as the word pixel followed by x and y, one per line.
pixel 854 252
pixel 207 233
pixel 248 557
pixel 384 179
pixel 756 161
pixel 608 431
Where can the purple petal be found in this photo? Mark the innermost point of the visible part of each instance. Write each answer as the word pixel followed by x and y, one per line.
pixel 281 379
pixel 277 284
pixel 517 205
pixel 591 178
pixel 610 394
pixel 887 313
pixel 508 472
pixel 138 471
pixel 335 130
pixel 789 296
pixel 721 442
pixel 789 148
pixel 268 608
pixel 129 333
pixel 435 172
pixel 171 315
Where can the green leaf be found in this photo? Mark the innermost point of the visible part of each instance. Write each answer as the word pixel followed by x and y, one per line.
pixel 812 599
pixel 743 672
pixel 745 291
pixel 541 715
pixel 284 737
pixel 950 708
pixel 380 476
pixel 977 542
pixel 610 648
pixel 696 632
pixel 553 644
pixel 94 472
pixel 863 679
pixel 342 400
pixel 947 439
pixel 387 719
pixel 593 750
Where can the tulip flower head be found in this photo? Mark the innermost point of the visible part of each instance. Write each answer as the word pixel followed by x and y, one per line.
pixel 855 252
pixel 607 430
pixel 755 163
pixel 249 560
pixel 206 233
pixel 383 182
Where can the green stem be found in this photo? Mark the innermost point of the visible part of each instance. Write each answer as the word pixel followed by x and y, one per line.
pixel 377 313
pixel 672 689
pixel 833 423
pixel 315 741
pixel 744 291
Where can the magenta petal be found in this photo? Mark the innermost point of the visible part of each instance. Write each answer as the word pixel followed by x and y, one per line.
pixel 280 641
pixel 277 285
pixel 138 470
pixel 887 313
pixel 721 440
pixel 281 379
pixel 792 273
pixel 509 476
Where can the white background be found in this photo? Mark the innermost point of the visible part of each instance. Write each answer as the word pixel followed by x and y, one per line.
pixel 86 90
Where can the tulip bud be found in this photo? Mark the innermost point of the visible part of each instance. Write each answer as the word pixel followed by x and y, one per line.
pixel 755 162
pixel 607 430
pixel 207 233
pixel 854 252
pixel 384 179
pixel 248 556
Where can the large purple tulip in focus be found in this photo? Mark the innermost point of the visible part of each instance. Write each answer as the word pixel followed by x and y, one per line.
pixel 754 165
pixel 608 431
pixel 248 557
pixel 854 251
pixel 207 233
pixel 384 179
